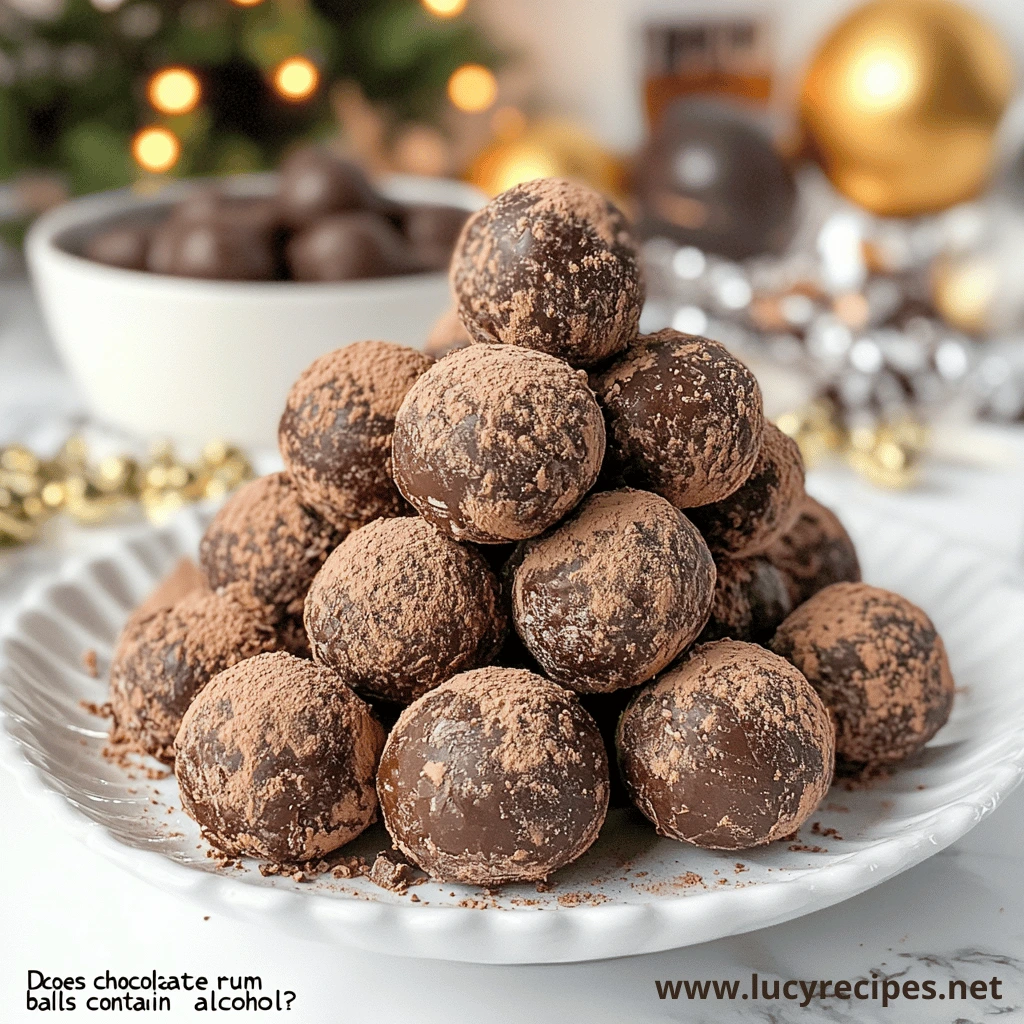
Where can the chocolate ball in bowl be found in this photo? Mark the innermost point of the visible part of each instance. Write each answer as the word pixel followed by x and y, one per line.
pixel 125 246
pixel 730 748
pixel 164 660
pixel 335 432
pixel 611 596
pixel 496 444
pixel 684 418
pixel 348 247
pixel 879 665
pixel 550 265
pixel 496 776
pixel 763 507
pixel 314 183
pixel 400 607
pixel 432 232
pixel 276 759
pixel 216 249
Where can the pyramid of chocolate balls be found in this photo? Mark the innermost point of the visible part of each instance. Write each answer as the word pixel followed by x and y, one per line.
pixel 561 545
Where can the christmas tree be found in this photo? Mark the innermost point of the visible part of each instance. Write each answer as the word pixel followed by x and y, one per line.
pixel 106 91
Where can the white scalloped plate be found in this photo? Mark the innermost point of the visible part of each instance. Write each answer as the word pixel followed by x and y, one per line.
pixel 632 893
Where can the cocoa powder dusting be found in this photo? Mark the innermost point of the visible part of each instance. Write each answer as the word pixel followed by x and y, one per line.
pixel 335 432
pixel 615 593
pixel 549 265
pixel 684 417
pixel 185 578
pixel 879 665
pixel 729 749
pixel 815 552
pixel 494 444
pixel 164 660
pixel 399 607
pixel 496 776
pixel 766 505
pixel 276 759
pixel 264 537
pixel 751 600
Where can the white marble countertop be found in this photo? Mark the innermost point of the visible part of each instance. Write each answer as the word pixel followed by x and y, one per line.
pixel 959 914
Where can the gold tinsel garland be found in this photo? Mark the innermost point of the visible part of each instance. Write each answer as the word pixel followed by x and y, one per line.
pixel 33 489
pixel 887 454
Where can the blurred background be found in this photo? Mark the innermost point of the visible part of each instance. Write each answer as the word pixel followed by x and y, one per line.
pixel 835 190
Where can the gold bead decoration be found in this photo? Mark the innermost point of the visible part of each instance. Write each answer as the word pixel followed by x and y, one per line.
pixel 91 493
pixel 887 454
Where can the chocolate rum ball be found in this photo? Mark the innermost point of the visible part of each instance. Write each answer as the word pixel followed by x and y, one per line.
pixel 276 759
pixel 335 432
pixel 349 246
pixel 612 595
pixel 399 607
pixel 125 246
pixel 684 418
pixel 313 183
pixel 496 443
pixel 763 507
pixel 879 665
pixel 815 552
pixel 263 536
pixel 751 600
pixel 165 659
pixel 730 748
pixel 550 265
pixel 216 249
pixel 496 776
pixel 432 231
pixel 711 178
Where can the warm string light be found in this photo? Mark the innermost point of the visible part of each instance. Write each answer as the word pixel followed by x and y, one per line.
pixel 174 91
pixel 246 3
pixel 156 149
pixel 445 8
pixel 472 88
pixel 296 78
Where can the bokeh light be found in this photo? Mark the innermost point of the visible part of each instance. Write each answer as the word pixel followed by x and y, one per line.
pixel 445 8
pixel 174 91
pixel 296 78
pixel 156 149
pixel 472 88
pixel 246 3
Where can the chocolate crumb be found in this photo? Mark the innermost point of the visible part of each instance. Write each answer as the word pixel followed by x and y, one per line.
pixel 90 663
pixel 393 872
pixel 103 710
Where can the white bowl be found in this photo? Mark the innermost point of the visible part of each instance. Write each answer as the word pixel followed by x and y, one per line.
pixel 197 360
pixel 633 892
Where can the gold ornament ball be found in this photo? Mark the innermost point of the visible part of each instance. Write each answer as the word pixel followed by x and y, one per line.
pixel 901 105
pixel 549 148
